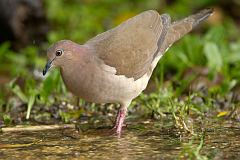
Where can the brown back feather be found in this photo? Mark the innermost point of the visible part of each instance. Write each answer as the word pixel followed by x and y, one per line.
pixel 131 46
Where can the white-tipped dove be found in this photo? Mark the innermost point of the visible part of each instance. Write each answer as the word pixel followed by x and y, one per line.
pixel 115 66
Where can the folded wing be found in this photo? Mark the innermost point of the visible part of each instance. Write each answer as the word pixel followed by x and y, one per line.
pixel 131 47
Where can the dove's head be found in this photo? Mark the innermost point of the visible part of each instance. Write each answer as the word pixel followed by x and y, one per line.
pixel 62 53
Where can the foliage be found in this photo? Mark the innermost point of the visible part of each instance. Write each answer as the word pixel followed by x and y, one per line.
pixel 190 151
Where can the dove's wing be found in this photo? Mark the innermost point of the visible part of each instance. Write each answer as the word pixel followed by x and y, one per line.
pixel 131 47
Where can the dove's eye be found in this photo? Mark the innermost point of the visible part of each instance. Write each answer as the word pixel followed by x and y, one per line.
pixel 59 52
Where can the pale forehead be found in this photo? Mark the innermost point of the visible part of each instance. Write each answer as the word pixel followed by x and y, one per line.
pixel 63 44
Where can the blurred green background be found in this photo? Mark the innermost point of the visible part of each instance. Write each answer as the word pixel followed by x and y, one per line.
pixel 198 75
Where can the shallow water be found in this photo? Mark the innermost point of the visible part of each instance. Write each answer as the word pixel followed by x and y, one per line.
pixel 138 141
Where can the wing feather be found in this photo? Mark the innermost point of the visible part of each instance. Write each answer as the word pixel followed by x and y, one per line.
pixel 132 46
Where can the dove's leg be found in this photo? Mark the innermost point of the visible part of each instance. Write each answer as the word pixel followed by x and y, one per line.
pixel 120 118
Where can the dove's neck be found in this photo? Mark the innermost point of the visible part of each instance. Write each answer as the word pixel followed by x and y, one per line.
pixel 78 71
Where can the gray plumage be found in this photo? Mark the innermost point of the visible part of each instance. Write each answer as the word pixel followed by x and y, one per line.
pixel 115 66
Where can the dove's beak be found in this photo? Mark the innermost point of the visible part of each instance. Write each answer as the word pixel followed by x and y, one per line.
pixel 47 66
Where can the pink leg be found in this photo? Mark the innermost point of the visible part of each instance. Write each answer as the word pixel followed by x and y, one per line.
pixel 120 117
pixel 117 119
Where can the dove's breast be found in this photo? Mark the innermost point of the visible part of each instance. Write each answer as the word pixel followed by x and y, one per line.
pixel 97 82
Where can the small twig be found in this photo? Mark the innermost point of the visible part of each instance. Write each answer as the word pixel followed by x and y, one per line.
pixel 18 145
pixel 36 128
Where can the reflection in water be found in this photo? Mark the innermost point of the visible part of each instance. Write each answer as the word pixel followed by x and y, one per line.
pixel 149 143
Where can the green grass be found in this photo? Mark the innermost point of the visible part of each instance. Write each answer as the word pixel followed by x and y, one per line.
pixel 192 151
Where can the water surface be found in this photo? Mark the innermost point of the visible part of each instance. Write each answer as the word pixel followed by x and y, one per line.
pixel 138 141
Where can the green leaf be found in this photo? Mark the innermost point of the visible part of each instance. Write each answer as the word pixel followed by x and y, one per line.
pixel 17 90
pixel 233 57
pixel 7 119
pixel 30 104
pixel 213 56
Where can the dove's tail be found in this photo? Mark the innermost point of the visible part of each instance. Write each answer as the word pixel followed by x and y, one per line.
pixel 179 28
pixel 200 16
